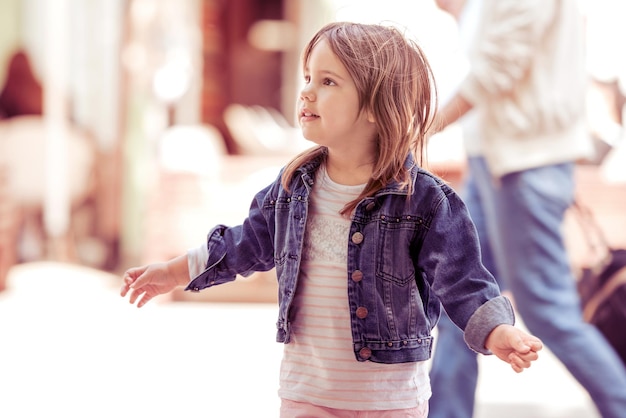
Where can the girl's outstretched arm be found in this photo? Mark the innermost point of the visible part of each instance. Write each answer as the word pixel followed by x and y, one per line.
pixel 146 282
pixel 513 346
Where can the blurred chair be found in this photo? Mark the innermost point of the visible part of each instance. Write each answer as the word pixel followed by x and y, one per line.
pixel 22 162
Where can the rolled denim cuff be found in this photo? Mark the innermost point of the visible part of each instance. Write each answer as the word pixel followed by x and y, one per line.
pixel 492 313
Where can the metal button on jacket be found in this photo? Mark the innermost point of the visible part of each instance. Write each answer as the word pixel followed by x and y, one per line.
pixel 357 238
pixel 361 312
pixel 365 353
pixel 357 276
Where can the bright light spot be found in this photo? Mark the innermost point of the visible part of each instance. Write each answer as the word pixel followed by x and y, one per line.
pixel 172 80
pixel 272 35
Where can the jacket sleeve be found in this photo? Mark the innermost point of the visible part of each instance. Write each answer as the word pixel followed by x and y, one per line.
pixel 489 315
pixel 242 249
pixel 451 261
pixel 504 46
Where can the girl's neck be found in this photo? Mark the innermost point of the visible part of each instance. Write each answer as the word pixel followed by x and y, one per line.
pixel 349 171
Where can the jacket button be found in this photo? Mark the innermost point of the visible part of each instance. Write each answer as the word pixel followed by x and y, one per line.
pixel 370 206
pixel 357 238
pixel 365 353
pixel 357 275
pixel 361 312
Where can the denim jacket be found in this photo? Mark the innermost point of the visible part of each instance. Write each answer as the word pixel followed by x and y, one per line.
pixel 407 255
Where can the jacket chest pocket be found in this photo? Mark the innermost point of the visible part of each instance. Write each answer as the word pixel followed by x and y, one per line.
pixel 393 261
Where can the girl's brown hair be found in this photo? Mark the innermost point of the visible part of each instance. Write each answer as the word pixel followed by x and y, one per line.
pixel 395 84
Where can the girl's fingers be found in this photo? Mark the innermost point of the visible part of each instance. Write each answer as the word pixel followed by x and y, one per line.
pixel 126 282
pixel 536 345
pixel 130 279
pixel 516 363
pixel 144 299
pixel 520 362
pixel 133 296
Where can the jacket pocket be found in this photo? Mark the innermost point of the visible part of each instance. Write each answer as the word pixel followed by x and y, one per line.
pixel 393 262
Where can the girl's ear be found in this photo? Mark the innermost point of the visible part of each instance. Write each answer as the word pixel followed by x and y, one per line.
pixel 370 117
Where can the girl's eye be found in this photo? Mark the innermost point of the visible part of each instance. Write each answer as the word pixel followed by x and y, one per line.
pixel 325 81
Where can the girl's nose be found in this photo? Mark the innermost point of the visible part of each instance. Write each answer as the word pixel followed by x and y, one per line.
pixel 307 93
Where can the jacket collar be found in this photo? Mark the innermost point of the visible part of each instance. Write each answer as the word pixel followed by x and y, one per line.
pixel 309 169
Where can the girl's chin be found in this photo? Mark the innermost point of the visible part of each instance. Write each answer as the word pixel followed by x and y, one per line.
pixel 308 135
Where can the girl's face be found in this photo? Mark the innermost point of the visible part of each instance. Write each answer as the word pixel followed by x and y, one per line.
pixel 329 104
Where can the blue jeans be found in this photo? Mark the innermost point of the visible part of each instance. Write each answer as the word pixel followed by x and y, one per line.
pixel 522 220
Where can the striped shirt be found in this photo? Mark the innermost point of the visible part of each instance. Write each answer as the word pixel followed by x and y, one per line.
pixel 319 365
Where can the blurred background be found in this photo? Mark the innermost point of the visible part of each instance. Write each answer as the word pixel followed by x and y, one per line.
pixel 128 128
pixel 123 119
pixel 116 110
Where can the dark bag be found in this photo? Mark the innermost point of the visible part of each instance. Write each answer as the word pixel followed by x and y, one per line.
pixel 602 287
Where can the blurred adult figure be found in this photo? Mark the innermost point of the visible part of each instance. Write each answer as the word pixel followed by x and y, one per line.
pixel 527 84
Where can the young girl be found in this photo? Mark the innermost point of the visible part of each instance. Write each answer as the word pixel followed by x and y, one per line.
pixel 366 244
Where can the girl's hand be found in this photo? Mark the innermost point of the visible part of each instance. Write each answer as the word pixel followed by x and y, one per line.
pixel 144 283
pixel 514 346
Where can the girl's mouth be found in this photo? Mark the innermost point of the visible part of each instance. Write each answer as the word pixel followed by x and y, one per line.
pixel 305 115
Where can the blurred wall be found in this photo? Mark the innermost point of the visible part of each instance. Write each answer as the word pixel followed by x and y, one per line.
pixel 9 32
